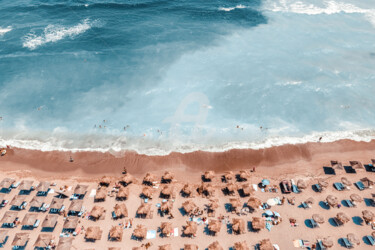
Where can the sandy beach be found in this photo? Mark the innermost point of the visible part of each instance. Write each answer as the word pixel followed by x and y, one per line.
pixel 295 162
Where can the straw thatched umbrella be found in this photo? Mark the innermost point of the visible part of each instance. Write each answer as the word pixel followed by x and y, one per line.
pixel 206 189
pixel 310 201
pixel 266 245
pixel 167 177
pixel 93 233
pixel 189 206
pixel 332 200
pixel 215 246
pixel 318 218
pixel 167 192
pixel 327 242
pixel 254 203
pixel 236 204
pixel 241 246
pixel 342 217
pixel 247 189
pixel 323 183
pixel 230 189
pixel 166 207
pixel 238 226
pixel 214 226
pixel 258 223
pixel 97 212
pixel 301 184
pixel 336 165
pixel 65 243
pixel 208 175
pixel 121 210
pixel 243 175
pixel 367 215
pixel 116 233
pixel 356 165
pixel 353 239
pixel 373 234
pixel 105 181
pixel 190 247
pixel 101 194
pixel 44 240
pixel 147 192
pixel 190 228
pixel 140 232
pixel 228 176
pixel 188 190
pixel 123 193
pixel 165 247
pixel 166 228
pixel 149 179
pixel 212 206
pixel 356 198
pixel 144 210
pixel 20 239
pixel 127 179
pixel 367 182
pixel 346 182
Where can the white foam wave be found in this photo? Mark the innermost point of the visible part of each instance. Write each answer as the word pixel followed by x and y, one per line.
pixel 115 144
pixel 54 33
pixel 240 6
pixel 5 30
pixel 329 8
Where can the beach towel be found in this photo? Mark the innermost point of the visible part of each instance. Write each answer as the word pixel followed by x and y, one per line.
pixel 93 193
pixel 175 232
pixel 268 226
pixel 51 191
pixel 151 234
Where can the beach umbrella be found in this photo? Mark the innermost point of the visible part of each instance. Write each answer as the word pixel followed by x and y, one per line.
pixel 373 234
pixel 310 201
pixel 342 217
pixel 266 245
pixel 353 239
pixel 165 247
pixel 190 247
pixel 318 218
pixel 367 215
pixel 265 182
pixel 271 202
pixel 241 246
pixel 323 183
pixel 301 184
pixel 356 197
pixel 345 181
pixel 332 200
pixel 268 213
pixel 254 202
pixel 327 242
pixel 215 246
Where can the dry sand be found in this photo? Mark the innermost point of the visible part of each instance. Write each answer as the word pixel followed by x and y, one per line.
pixel 289 161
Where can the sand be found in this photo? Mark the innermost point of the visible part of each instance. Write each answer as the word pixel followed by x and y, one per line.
pixel 290 161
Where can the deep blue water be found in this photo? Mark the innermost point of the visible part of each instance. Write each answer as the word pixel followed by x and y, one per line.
pixel 178 75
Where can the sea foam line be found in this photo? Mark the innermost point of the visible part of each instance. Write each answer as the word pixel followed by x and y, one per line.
pixel 240 6
pixel 5 30
pixel 54 33
pixel 115 144
pixel 330 8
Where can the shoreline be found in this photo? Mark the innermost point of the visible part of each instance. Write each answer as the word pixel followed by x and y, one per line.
pixel 309 157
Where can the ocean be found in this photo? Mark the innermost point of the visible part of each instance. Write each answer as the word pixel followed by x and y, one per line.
pixel 163 76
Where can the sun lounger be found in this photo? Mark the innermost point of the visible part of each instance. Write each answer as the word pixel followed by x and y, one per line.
pixel 349 203
pixel 371 240
pixel 318 188
pixel 360 185
pixel 320 244
pixel 347 243
pixel 295 189
pixel 304 205
pixel 337 222
pixel 339 186
pixel 313 223
pixel 114 215
pixel 36 224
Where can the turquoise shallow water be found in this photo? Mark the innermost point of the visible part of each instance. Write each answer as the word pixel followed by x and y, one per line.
pixel 157 76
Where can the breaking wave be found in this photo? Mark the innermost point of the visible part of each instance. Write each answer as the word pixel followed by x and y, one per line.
pixel 54 33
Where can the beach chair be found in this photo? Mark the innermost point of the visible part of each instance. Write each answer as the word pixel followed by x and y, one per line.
pixel 36 224
pixel 337 222
pixel 320 245
pixel 304 205
pixel 339 186
pixel 347 243
pixel 114 215
pixel 371 240
pixel 318 188
pixel 295 189
pixel 313 223
pixel 360 185
pixel 349 203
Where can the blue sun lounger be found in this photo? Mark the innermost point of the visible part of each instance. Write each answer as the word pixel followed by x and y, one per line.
pixel 360 185
pixel 337 222
pixel 339 186
pixel 318 188
pixel 313 223
pixel 304 205
pixel 349 203
pixel 320 244
pixel 371 240
pixel 347 243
